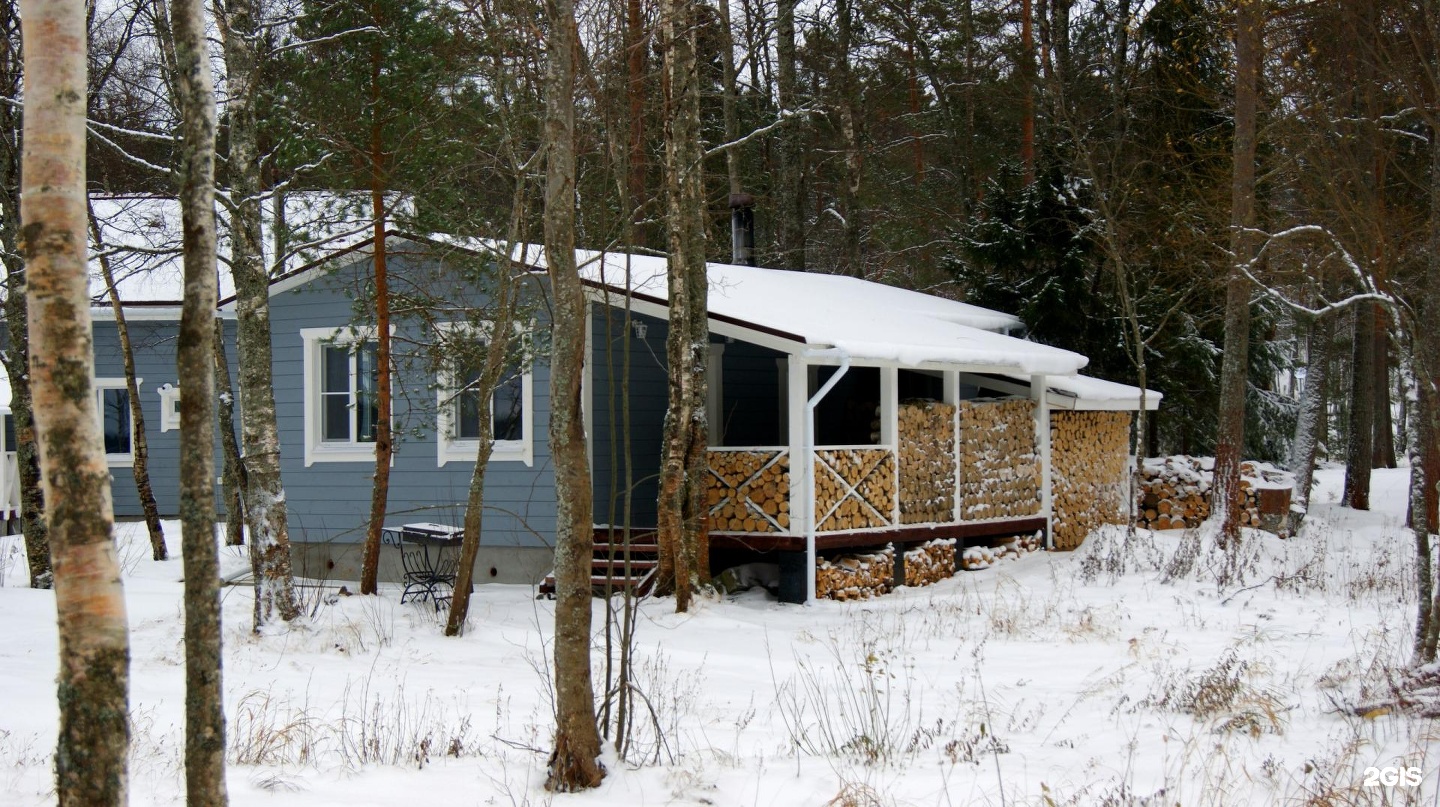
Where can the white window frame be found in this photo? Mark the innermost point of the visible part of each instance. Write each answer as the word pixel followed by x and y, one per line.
pixel 169 407
pixel 100 385
pixel 449 448
pixel 317 449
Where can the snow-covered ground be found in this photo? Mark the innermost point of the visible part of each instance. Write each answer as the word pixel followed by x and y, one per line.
pixel 1104 676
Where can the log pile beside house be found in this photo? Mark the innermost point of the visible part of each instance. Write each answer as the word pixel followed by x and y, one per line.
pixel 975 558
pixel 930 562
pixel 1175 493
pixel 926 432
pixel 1089 473
pixel 999 464
pixel 854 488
pixel 749 491
pixel 855 577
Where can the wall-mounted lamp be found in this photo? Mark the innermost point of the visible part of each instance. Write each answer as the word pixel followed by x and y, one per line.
pixel 640 329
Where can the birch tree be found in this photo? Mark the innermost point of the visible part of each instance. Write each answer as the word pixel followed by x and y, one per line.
pixel 16 355
pixel 682 465
pixel 94 738
pixel 574 763
pixel 243 41
pixel 195 366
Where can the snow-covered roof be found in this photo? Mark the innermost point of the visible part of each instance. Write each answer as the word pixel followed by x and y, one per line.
pixel 1084 392
pixel 863 320
pixel 141 236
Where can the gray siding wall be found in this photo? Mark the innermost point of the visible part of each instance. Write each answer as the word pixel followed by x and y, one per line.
pixel 648 399
pixel 153 343
pixel 330 501
pixel 752 403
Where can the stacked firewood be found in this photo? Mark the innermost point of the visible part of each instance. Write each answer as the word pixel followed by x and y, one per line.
pixel 930 562
pixel 861 482
pixel 1000 469
pixel 1089 472
pixel 855 577
pixel 983 557
pixel 1175 493
pixel 749 491
pixel 927 462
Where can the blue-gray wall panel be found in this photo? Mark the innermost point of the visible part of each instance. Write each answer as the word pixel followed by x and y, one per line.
pixel 153 344
pixel 331 500
pixel 648 401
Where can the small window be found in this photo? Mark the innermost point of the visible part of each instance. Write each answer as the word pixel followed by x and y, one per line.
pixel 507 405
pixel 459 415
pixel 349 409
pixel 112 404
pixel 342 376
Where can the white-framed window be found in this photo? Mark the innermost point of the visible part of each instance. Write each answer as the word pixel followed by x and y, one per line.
pixel 458 415
pixel 117 430
pixel 169 407
pixel 342 373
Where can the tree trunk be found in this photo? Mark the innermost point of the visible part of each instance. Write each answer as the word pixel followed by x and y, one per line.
pixel 1233 373
pixel 140 446
pixel 729 102
pixel 1360 449
pixel 265 495
pixel 234 474
pixel 496 355
pixel 16 356
pixel 94 741
pixel 574 764
pixel 850 122
pixel 380 491
pixel 1425 362
pixel 1026 73
pixel 682 468
pixel 1421 527
pixel 1310 421
pixel 635 47
pixel 790 180
pixel 195 365
pixel 1384 439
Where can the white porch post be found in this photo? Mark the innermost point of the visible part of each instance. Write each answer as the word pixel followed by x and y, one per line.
pixel 890 427
pixel 952 397
pixel 1038 393
pixel 797 388
pixel 802 462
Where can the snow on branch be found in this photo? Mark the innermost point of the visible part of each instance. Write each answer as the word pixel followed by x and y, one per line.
pixel 131 158
pixel 1369 291
pixel 785 116
pixel 319 40
pixel 137 133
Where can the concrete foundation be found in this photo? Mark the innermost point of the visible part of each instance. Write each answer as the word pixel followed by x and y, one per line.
pixel 339 562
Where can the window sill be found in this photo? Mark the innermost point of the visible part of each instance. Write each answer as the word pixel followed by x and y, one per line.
pixel 505 451
pixel 340 452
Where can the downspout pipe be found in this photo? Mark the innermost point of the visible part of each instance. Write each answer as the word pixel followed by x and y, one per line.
pixel 810 525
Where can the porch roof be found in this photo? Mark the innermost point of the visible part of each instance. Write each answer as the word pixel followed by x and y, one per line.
pixel 1084 392
pixel 860 319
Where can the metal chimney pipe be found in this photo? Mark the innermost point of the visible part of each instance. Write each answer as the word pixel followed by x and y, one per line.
pixel 742 229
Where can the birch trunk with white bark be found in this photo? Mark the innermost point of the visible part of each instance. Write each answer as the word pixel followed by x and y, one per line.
pixel 94 738
pixel 275 601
